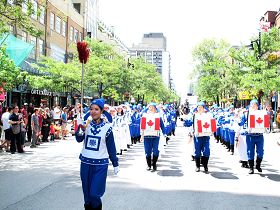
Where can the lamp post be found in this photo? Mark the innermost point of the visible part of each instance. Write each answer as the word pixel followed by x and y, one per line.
pixel 258 42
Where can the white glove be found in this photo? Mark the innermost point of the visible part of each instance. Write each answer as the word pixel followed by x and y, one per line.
pixel 116 170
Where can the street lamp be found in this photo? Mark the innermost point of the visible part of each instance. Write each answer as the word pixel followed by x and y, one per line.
pixel 258 42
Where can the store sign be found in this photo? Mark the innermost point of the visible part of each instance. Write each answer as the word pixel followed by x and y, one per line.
pixel 41 92
pixel 244 95
pixel 48 93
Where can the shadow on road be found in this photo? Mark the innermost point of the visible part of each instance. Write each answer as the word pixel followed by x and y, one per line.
pixel 223 175
pixel 273 177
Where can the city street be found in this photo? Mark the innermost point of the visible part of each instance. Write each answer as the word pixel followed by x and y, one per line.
pixel 47 177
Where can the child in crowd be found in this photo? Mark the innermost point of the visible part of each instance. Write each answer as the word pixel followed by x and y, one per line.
pixel 52 132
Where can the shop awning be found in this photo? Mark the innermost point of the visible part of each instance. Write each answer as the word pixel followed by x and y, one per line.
pixel 17 49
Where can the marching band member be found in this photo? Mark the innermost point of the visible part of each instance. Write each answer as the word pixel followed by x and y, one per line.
pixel 135 125
pixel 120 122
pixel 151 124
pixel 240 139
pixel 116 130
pixel 233 118
pixel 162 139
pixel 126 123
pixel 254 137
pixel 98 148
pixel 204 125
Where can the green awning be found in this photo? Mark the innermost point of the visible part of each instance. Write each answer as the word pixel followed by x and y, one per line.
pixel 17 49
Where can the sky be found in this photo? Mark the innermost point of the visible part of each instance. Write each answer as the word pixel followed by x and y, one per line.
pixel 185 23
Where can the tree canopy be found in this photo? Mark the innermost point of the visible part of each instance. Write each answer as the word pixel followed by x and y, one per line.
pixel 222 71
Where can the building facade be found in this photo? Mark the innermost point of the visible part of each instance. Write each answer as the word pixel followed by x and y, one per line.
pixel 153 50
pixel 107 35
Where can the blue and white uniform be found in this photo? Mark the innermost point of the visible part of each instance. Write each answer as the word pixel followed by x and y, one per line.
pixel 98 148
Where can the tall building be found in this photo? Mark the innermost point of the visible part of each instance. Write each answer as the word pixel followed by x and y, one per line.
pixel 157 40
pixel 89 9
pixel 153 50
pixel 107 35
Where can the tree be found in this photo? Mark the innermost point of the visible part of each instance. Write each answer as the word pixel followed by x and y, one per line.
pixel 212 65
pixel 106 74
pixel 260 69
pixel 9 73
pixel 11 14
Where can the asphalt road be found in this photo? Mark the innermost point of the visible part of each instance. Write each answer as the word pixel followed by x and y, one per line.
pixel 47 177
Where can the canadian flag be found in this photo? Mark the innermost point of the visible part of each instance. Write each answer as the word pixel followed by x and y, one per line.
pixel 205 124
pixel 258 120
pixel 150 122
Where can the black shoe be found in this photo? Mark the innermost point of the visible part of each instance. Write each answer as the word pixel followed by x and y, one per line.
pixel 204 161
pixel 87 206
pixel 197 164
pixel 155 158
pixel 251 165
pixel 251 171
pixel 193 158
pixel 258 164
pixel 149 162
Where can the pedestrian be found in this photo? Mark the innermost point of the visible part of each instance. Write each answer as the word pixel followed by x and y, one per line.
pixel 271 117
pixel 98 148
pixel 64 123
pixel 151 126
pixel 30 111
pixel 7 111
pixel 278 117
pixel 45 125
pixel 16 120
pixel 35 128
pixel 52 132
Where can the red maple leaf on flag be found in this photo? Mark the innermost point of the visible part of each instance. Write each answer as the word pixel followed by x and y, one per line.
pixel 150 123
pixel 206 125
pixel 259 120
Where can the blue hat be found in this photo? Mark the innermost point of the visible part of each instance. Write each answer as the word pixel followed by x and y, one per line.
pixel 215 106
pixel 152 104
pixel 254 101
pixel 99 102
pixel 201 104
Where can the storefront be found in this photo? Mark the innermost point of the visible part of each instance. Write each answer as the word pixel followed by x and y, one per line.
pixel 39 98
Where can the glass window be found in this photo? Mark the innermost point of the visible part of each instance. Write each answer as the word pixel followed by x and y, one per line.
pixel 42 15
pixel 24 36
pixel 24 6
pixel 41 47
pixel 11 29
pixel 34 9
pixel 10 2
pixel 33 52
pixel 71 37
pixel 52 21
pixel 63 32
pixel 58 24
pixel 76 35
